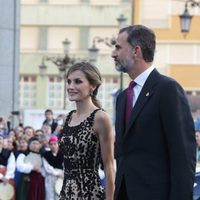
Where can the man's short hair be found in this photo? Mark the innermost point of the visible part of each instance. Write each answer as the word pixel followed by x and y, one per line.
pixel 49 111
pixel 144 37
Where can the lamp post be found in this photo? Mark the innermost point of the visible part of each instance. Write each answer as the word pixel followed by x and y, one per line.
pixel 63 64
pixel 110 42
pixel 186 18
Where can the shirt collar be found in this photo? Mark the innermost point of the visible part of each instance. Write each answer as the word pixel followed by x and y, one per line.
pixel 140 80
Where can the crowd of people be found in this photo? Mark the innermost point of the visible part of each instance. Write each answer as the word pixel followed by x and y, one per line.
pixel 30 159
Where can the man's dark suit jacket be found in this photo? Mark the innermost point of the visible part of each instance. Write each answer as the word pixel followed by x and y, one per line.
pixel 155 153
pixel 53 125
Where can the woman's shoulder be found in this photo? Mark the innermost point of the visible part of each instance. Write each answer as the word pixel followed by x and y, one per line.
pixel 102 116
pixel 103 124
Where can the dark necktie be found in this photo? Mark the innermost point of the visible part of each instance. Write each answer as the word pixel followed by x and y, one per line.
pixel 129 100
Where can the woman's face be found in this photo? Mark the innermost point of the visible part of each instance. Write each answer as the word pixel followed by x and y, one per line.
pixel 12 134
pixel 23 145
pixel 53 146
pixel 78 87
pixel 10 143
pixel 29 133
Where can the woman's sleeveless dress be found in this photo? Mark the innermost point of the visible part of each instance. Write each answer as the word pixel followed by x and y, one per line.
pixel 81 149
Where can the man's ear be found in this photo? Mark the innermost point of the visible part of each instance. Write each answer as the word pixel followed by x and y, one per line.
pixel 136 50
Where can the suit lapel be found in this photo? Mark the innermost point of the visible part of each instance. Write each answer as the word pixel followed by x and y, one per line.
pixel 145 95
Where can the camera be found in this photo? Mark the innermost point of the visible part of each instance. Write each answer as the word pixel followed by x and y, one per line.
pixel 15 112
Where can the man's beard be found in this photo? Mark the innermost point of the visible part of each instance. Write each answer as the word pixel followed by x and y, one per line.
pixel 120 68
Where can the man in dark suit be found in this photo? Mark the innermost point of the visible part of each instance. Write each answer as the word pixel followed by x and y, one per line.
pixel 155 147
pixel 49 120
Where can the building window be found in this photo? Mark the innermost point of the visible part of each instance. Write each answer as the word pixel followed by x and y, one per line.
pixel 27 91
pixel 55 92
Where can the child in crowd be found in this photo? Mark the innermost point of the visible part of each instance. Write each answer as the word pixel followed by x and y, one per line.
pixel 53 165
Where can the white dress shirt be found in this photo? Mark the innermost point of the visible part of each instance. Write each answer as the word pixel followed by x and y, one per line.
pixel 140 81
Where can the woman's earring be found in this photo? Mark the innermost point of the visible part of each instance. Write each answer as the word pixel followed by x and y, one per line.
pixel 91 93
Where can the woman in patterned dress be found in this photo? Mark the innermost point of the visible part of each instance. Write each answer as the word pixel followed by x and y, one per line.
pixel 86 138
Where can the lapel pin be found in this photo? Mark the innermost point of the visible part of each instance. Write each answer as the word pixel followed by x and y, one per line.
pixel 147 94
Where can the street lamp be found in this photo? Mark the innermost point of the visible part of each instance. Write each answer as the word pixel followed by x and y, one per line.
pixel 186 18
pixel 63 64
pixel 93 53
pixel 110 42
pixel 122 21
